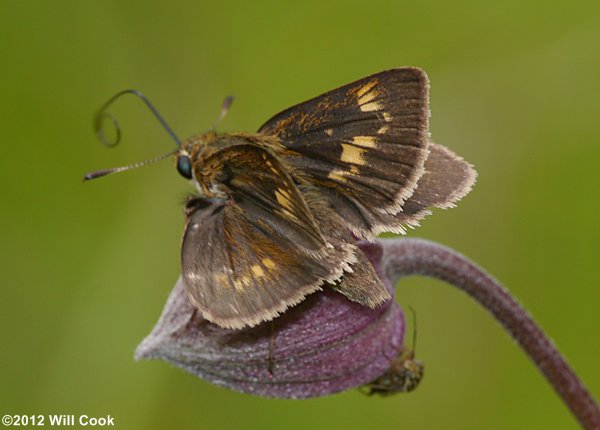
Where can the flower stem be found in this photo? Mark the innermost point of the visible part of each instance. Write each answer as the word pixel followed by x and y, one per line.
pixel 404 257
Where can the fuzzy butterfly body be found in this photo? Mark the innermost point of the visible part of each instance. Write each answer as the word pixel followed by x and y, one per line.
pixel 277 212
pixel 260 237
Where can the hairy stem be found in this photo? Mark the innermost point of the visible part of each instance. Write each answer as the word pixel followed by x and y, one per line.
pixel 404 257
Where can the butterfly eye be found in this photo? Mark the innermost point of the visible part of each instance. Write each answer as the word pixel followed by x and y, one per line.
pixel 184 167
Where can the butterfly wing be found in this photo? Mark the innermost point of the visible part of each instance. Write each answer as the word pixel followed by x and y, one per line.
pixel 238 272
pixel 364 144
pixel 266 243
pixel 257 182
pixel 447 179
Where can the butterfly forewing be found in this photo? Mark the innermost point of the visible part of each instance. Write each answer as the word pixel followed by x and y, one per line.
pixel 258 183
pixel 364 144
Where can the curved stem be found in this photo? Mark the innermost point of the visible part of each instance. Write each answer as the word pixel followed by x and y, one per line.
pixel 404 257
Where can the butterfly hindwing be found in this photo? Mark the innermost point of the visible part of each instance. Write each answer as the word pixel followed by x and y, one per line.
pixel 239 273
pixel 363 144
pixel 447 179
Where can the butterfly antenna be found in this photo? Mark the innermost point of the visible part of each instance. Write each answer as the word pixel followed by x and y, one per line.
pixel 99 122
pixel 102 114
pixel 106 172
pixel 224 109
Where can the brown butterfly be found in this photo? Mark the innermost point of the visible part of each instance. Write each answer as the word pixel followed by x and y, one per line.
pixel 277 212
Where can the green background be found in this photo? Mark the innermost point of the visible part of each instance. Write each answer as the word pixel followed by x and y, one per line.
pixel 86 268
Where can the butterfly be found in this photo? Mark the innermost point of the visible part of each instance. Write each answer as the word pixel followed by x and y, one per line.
pixel 277 213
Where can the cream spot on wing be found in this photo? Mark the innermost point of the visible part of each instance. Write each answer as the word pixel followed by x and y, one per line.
pixel 352 154
pixel 365 94
pixel 383 130
pixel 221 279
pixel 285 193
pixel 366 87
pixel 242 283
pixel 237 284
pixel 354 170
pixel 387 117
pixel 283 198
pixel 195 276
pixel 287 215
pixel 257 270
pixel 337 175
pixel 365 141
pixel 329 132
pixel 370 107
pixel 270 165
pixel 268 263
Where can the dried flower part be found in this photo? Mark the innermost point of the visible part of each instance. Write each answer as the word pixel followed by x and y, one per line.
pixel 404 375
pixel 324 345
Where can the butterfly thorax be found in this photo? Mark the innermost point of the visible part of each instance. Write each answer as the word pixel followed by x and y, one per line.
pixel 211 155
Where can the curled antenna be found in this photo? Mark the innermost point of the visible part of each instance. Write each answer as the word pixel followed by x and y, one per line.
pixel 102 115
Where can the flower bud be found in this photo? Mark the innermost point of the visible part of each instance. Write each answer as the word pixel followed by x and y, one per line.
pixel 324 345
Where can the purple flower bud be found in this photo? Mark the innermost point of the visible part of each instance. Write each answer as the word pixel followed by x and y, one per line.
pixel 324 345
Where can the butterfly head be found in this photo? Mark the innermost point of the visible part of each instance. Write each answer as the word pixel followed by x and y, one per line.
pixel 189 155
pixel 186 155
pixel 184 165
pixel 201 161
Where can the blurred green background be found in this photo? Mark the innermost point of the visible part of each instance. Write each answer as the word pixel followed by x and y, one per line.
pixel 87 268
